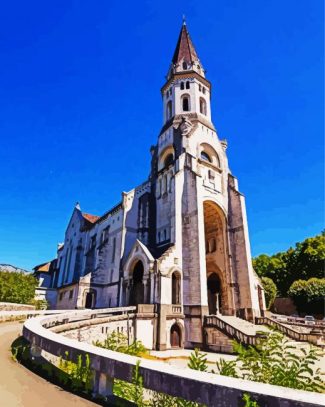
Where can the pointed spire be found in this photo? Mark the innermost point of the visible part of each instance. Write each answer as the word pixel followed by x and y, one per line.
pixel 185 51
pixel 77 206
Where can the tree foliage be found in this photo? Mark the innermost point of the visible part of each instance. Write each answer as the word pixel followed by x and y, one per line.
pixel 17 287
pixel 305 261
pixel 270 291
pixel 308 295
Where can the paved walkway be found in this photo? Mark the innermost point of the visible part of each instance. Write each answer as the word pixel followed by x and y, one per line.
pixel 19 387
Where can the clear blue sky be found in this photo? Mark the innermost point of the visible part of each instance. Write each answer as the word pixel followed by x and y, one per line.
pixel 80 106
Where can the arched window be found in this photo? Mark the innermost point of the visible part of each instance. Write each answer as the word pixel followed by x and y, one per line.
pixel 169 160
pixel 186 104
pixel 169 109
pixel 184 65
pixel 137 289
pixel 187 85
pixel 182 85
pixel 165 184
pixel 158 237
pixel 205 156
pixel 176 289
pixel 165 235
pixel 203 106
pixel 200 88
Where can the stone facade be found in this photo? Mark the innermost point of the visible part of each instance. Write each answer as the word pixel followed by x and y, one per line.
pixel 178 244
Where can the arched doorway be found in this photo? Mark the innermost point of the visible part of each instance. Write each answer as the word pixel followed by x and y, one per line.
pixel 175 336
pixel 214 294
pixel 217 259
pixel 176 289
pixel 90 300
pixel 137 289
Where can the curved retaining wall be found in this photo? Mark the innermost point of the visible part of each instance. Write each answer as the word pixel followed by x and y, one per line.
pixel 207 388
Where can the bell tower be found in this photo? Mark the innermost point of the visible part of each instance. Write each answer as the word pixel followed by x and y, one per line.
pixel 186 90
pixel 200 237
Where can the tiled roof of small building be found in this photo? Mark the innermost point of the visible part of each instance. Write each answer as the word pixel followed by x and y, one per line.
pixel 90 218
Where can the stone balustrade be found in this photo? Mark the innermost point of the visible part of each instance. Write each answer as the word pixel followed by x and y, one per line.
pixel 207 388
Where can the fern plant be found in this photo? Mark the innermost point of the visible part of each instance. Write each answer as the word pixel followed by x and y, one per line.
pixel 198 361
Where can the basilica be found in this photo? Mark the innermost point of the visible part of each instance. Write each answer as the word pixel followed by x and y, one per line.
pixel 176 246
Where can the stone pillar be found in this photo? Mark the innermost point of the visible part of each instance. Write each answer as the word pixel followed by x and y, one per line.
pixel 102 385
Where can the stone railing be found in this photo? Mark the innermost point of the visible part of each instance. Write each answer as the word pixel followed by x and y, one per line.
pixel 314 338
pixel 231 331
pixel 202 387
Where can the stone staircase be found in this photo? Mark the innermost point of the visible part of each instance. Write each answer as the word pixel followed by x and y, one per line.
pixel 222 329
pixel 219 328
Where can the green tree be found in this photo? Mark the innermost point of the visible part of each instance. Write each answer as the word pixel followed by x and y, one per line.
pixel 270 291
pixel 305 261
pixel 17 287
pixel 309 295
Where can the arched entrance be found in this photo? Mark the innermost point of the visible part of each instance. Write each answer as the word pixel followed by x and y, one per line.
pixel 175 336
pixel 137 289
pixel 217 259
pixel 90 299
pixel 214 294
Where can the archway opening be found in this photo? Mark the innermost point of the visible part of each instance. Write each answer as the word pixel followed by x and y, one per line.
pixel 168 160
pixel 176 289
pixel 137 290
pixel 175 336
pixel 90 300
pixel 214 294
pixel 216 259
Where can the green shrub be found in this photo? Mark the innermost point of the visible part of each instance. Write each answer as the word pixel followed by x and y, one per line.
pixel 118 342
pixel 309 295
pixel 270 291
pixel 275 361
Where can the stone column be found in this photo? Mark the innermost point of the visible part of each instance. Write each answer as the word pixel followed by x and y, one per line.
pixel 103 384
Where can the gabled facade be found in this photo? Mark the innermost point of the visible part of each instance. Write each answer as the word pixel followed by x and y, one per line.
pixel 179 242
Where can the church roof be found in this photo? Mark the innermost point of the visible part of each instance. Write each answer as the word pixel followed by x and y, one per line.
pixel 185 50
pixel 90 218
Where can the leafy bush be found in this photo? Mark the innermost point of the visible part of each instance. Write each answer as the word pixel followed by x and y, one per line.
pixel 79 373
pixel 17 287
pixel 275 361
pixel 118 342
pixel 308 295
pixel 270 291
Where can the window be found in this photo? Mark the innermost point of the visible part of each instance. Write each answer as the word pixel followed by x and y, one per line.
pixel 205 156
pixel 169 110
pixel 168 160
pixel 187 85
pixel 186 106
pixel 165 234
pixel 113 251
pixel 203 106
pixel 211 175
pixel 184 65
pixel 200 88
pixel 203 90
pixel 61 296
pixel 158 237
pixel 182 85
pixel 70 294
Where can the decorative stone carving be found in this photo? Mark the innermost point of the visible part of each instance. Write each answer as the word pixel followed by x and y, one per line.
pixel 186 126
